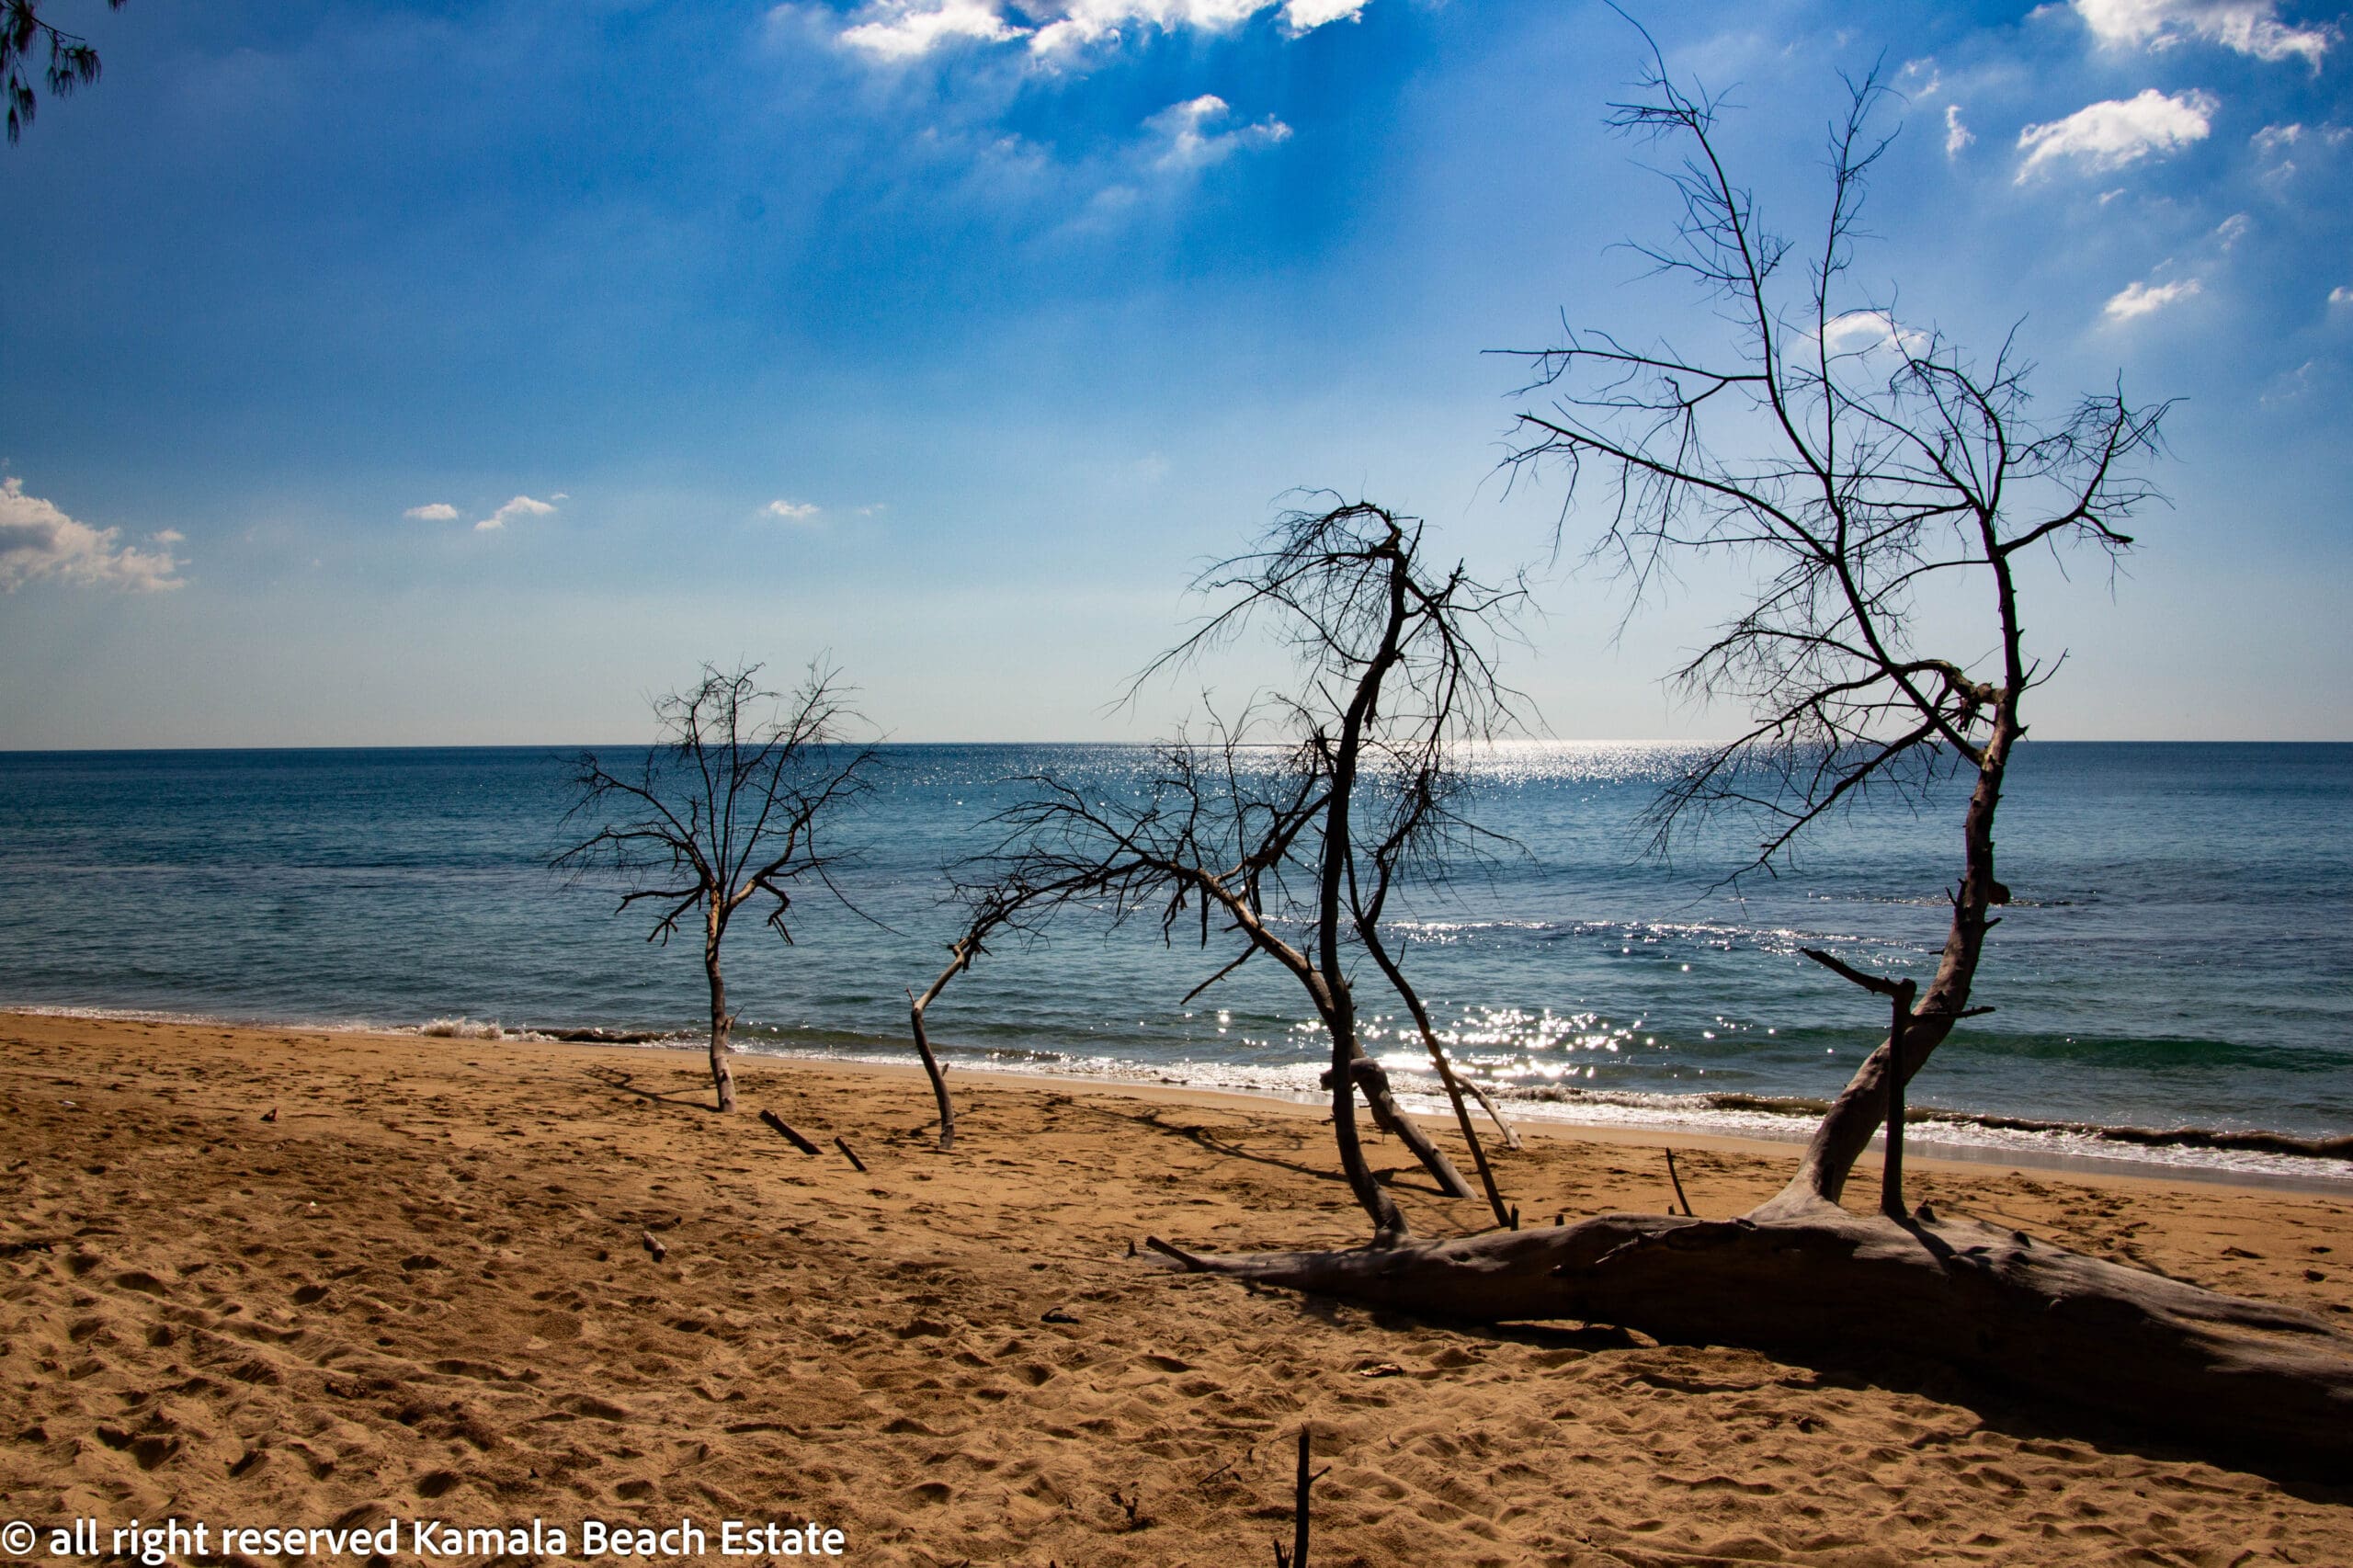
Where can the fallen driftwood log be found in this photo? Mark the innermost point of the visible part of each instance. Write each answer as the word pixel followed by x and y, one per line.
pixel 2205 1369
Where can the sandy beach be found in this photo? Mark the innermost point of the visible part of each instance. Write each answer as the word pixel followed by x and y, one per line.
pixel 422 1290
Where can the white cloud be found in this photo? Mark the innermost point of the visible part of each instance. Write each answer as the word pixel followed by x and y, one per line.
pixel 1860 331
pixel 1189 142
pixel 2272 138
pixel 1306 16
pixel 2111 134
pixel 1957 135
pixel 2250 26
pixel 2139 299
pixel 38 539
pixel 2233 228
pixel 521 506
pixel 168 536
pixel 1092 21
pixel 791 511
pixel 2340 295
pixel 903 29
pixel 895 30
pixel 434 512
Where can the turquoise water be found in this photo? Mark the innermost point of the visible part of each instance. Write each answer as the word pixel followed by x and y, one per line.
pixel 2180 951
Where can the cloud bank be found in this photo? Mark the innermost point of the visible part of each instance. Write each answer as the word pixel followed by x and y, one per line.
pixel 908 31
pixel 2249 27
pixel 38 539
pixel 894 31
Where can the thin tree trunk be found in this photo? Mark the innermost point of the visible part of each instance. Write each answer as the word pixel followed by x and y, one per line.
pixel 1413 1000
pixel 1391 1117
pixel 1891 1170
pixel 1339 1009
pixel 1511 1135
pixel 962 948
pixel 722 1078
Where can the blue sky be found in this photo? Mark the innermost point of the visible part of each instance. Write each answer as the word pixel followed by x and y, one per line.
pixel 950 336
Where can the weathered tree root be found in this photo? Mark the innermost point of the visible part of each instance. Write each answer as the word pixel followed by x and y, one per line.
pixel 2210 1371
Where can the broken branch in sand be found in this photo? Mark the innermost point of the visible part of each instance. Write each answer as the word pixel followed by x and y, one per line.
pixel 1678 1185
pixel 792 1137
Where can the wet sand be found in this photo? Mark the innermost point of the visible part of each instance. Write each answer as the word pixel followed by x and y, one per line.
pixel 423 1292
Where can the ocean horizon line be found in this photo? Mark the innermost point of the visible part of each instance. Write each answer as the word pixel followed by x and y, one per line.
pixel 193 748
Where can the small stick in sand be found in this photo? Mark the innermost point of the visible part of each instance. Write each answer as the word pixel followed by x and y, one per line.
pixel 1297 1556
pixel 791 1137
pixel 849 1154
pixel 1679 1187
pixel 1249 1455
pixel 653 1247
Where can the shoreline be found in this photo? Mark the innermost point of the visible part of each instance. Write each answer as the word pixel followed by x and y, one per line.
pixel 2123 1152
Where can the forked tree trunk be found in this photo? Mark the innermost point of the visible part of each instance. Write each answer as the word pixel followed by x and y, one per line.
pixel 1845 1131
pixel 722 1078
pixel 1336 1002
pixel 1388 1220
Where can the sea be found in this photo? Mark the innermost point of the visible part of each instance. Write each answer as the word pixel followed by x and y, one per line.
pixel 2171 985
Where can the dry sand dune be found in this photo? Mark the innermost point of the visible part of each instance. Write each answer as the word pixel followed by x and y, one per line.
pixel 423 1292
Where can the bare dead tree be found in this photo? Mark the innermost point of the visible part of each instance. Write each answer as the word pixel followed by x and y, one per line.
pixel 729 805
pixel 1290 828
pixel 1866 471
